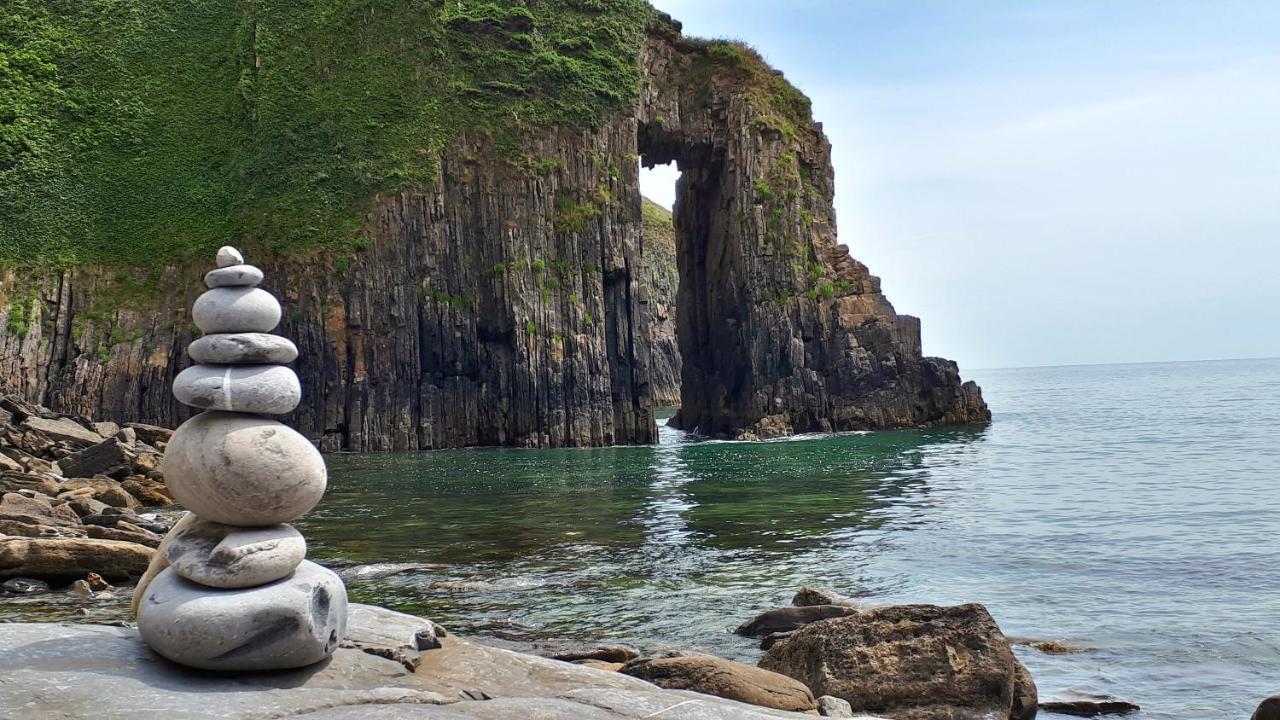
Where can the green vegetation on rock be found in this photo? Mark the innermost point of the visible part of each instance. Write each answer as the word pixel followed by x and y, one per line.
pixel 136 131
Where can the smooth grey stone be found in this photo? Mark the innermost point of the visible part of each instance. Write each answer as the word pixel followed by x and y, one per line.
pixel 225 556
pixel 831 706
pixel 293 622
pixel 236 310
pixel 242 349
pixel 243 470
pixel 267 389
pixel 234 276
pixel 228 256
pixel 65 671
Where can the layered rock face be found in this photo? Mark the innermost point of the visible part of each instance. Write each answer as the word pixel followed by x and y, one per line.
pixel 780 330
pixel 509 303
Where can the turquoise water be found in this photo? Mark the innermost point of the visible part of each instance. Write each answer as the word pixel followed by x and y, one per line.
pixel 1128 509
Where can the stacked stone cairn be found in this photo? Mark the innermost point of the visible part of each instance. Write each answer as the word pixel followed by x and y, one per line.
pixel 229 588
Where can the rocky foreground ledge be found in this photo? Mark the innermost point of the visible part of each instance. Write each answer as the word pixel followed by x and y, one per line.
pixel 57 671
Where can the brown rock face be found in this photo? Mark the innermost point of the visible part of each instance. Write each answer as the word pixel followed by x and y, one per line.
pixel 726 679
pixel 506 304
pixel 911 662
pixel 70 558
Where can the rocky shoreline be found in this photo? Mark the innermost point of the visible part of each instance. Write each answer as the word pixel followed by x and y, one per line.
pixel 83 506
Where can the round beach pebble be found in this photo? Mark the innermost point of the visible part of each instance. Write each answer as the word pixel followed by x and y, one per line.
pixel 267 389
pixel 236 310
pixel 243 470
pixel 293 622
pixel 234 276
pixel 242 349
pixel 228 256
pixel 225 556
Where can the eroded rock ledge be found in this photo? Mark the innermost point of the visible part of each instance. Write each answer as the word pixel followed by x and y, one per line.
pixel 505 304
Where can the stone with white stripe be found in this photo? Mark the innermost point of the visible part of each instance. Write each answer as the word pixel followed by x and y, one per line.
pixel 265 389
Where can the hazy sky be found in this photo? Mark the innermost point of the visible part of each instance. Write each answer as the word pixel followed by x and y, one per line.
pixel 1045 183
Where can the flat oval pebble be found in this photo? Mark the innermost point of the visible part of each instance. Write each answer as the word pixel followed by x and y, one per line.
pixel 242 349
pixel 225 556
pixel 243 470
pixel 236 310
pixel 267 389
pixel 234 276
pixel 293 622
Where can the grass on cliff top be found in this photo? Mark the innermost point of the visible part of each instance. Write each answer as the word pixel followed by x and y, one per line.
pixel 136 131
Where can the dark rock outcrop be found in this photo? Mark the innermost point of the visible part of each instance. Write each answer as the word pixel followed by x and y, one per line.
pixel 911 662
pixel 505 303
pixel 780 620
pixel 1082 704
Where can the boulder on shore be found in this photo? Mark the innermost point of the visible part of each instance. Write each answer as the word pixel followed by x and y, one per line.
pixel 910 662
pixel 726 679
pixel 1269 709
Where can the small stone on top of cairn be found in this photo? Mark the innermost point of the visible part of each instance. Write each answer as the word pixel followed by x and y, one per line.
pixel 229 588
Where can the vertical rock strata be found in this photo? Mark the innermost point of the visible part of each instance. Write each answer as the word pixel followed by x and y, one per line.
pixel 229 588
pixel 506 304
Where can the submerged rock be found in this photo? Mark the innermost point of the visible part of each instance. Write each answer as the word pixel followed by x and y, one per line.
pixel 919 661
pixel 1082 704
pixel 810 596
pixel 25 586
pixel 783 620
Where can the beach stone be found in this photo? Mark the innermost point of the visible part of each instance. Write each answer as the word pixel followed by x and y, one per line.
pixel 236 310
pixel 922 662
pixel 829 706
pixel 70 558
pixel 233 276
pixel 293 622
pixel 726 679
pixel 243 470
pixel 225 556
pixel 242 349
pixel 266 389
pixel 228 256
pixel 25 586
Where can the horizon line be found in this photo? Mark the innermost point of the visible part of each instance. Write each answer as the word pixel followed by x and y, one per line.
pixel 1130 362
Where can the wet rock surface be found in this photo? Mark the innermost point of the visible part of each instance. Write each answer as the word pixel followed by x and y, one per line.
pixel 1083 704
pixel 784 620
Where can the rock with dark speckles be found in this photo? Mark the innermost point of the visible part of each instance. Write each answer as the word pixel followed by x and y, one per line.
pixel 293 622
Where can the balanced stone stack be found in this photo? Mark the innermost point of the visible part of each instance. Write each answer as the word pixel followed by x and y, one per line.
pixel 229 588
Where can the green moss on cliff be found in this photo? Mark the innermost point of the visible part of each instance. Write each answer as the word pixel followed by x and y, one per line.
pixel 136 131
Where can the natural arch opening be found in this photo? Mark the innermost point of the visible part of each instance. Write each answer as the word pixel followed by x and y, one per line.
pixel 661 279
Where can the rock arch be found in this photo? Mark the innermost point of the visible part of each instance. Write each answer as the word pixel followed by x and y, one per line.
pixel 780 330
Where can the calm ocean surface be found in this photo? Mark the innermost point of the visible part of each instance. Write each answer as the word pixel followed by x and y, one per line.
pixel 1131 509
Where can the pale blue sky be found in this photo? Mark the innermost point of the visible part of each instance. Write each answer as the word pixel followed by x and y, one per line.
pixel 1045 183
